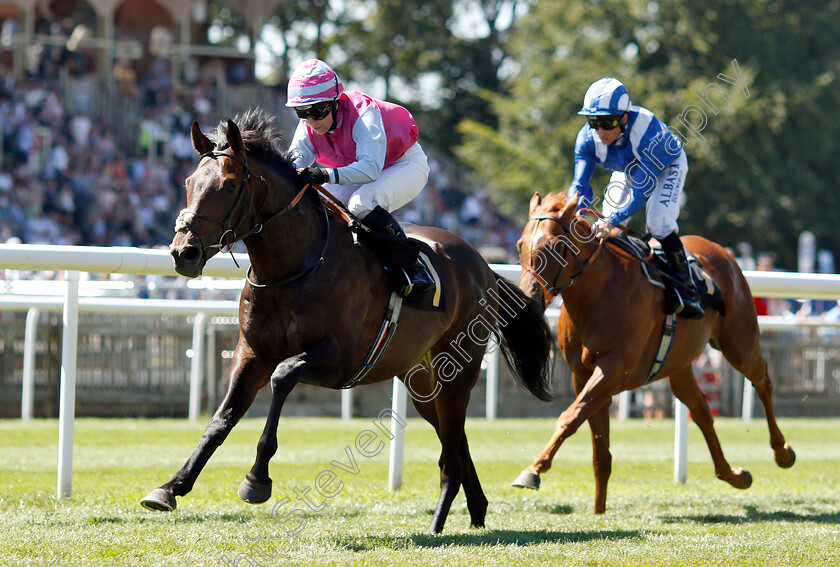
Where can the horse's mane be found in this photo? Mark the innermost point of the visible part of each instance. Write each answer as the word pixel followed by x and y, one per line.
pixel 262 140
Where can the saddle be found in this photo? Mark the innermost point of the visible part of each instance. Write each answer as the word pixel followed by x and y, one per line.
pixel 426 301
pixel 658 271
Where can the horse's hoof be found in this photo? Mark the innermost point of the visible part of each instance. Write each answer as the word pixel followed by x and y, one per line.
pixel 254 492
pixel 160 500
pixel 747 480
pixel 527 479
pixel 790 460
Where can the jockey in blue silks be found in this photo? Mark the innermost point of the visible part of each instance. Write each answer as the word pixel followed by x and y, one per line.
pixel 649 167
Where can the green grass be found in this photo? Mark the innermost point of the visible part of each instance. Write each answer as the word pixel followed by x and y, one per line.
pixel 788 517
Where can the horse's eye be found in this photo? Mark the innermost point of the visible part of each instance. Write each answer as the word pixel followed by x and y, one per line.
pixel 230 186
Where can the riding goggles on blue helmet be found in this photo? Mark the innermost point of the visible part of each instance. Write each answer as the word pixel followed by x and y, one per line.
pixel 605 122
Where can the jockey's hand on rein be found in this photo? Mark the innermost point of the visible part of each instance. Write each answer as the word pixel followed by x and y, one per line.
pixel 314 175
pixel 602 229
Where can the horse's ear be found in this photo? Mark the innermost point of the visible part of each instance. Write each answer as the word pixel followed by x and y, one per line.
pixel 201 143
pixel 234 138
pixel 569 207
pixel 535 201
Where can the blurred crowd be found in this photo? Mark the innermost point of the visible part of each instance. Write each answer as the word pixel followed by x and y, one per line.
pixel 69 178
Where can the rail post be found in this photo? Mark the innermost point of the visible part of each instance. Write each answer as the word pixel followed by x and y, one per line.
pixel 747 402
pixel 491 359
pixel 196 364
pixel 30 343
pixel 67 396
pixel 680 442
pixel 346 404
pixel 395 457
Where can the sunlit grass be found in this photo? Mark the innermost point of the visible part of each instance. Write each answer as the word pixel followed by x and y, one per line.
pixel 788 517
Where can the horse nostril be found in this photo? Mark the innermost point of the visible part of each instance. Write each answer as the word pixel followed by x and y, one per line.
pixel 188 254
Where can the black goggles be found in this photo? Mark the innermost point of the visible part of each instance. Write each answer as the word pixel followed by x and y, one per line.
pixel 605 122
pixel 317 111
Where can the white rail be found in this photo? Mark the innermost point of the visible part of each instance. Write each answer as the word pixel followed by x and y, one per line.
pixel 124 260
pixel 110 260
pixel 762 284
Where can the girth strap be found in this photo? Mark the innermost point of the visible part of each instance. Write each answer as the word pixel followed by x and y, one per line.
pixel 386 332
pixel 668 329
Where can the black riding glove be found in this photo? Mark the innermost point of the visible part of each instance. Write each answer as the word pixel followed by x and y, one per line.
pixel 314 175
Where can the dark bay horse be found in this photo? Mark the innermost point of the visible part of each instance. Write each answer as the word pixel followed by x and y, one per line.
pixel 314 304
pixel 609 330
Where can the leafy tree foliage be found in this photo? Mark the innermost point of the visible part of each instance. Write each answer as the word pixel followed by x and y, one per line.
pixel 765 169
pixel 410 45
pixel 506 93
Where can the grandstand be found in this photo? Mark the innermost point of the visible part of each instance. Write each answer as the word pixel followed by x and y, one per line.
pixel 96 101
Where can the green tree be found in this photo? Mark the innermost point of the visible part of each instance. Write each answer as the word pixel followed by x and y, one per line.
pixel 472 70
pixel 766 164
pixel 410 46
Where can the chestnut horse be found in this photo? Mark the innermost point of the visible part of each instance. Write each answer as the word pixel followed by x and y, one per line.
pixel 314 304
pixel 609 330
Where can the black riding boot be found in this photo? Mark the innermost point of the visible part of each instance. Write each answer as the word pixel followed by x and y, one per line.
pixel 688 306
pixel 399 254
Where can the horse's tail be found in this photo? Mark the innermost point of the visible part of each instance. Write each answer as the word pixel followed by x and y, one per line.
pixel 525 339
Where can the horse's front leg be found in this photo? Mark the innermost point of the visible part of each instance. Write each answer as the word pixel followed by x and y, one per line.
pixel 320 365
pixel 247 376
pixel 599 424
pixel 595 395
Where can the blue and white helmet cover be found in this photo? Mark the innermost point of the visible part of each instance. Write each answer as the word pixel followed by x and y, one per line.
pixel 605 97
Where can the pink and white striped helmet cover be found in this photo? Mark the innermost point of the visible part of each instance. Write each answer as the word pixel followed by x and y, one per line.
pixel 311 82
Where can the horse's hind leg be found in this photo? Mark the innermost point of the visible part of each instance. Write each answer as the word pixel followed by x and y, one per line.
pixel 751 363
pixel 476 500
pixel 451 416
pixel 246 379
pixel 685 388
pixel 446 412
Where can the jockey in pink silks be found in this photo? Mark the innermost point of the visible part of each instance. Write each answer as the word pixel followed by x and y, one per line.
pixel 365 152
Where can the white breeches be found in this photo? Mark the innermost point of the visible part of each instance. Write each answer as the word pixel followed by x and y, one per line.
pixel 397 185
pixel 663 205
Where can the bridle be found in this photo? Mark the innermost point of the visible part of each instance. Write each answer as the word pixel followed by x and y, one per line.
pixel 229 236
pixel 554 289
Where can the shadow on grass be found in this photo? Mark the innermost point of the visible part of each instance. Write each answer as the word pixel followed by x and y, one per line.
pixel 483 538
pixel 507 508
pixel 558 509
pixel 754 515
pixel 195 518
pixel 521 538
pixel 180 517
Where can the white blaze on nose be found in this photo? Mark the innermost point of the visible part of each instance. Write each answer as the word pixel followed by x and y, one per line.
pixel 537 237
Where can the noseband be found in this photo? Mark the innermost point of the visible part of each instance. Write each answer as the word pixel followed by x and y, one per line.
pixel 553 290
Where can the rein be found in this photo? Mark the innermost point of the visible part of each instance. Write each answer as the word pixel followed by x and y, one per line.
pixel 229 236
pixel 305 271
pixel 553 290
pixel 186 216
pixel 615 249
